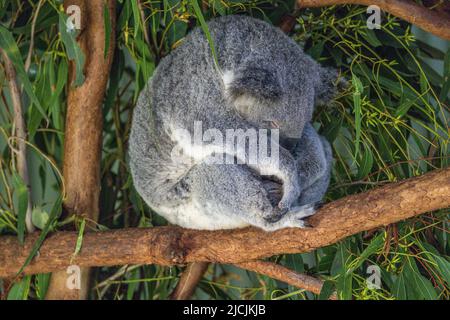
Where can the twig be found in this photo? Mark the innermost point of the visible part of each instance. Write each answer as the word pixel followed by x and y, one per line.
pixel 20 132
pixel 144 28
pixel 105 284
pixel 436 22
pixel 33 29
pixel 188 281
pixel 286 275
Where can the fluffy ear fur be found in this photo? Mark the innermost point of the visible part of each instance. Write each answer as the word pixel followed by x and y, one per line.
pixel 252 82
pixel 329 85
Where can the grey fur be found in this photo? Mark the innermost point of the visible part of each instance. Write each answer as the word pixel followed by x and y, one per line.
pixel 279 83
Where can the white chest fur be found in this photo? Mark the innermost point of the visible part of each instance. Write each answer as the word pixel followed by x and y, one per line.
pixel 201 216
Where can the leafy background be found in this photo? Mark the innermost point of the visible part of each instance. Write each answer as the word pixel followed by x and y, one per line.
pixel 391 124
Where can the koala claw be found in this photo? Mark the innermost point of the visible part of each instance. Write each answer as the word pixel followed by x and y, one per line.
pixel 303 224
pixel 303 211
pixel 292 219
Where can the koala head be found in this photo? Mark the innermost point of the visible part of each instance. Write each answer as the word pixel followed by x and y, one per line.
pixel 271 82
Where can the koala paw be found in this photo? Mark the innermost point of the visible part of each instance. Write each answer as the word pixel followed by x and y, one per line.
pixel 296 215
pixel 302 211
pixel 292 219
pixel 300 224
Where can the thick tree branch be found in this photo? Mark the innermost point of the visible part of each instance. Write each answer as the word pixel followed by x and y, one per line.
pixel 174 245
pixel 436 22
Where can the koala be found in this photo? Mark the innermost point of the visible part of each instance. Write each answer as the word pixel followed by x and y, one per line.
pixel 262 81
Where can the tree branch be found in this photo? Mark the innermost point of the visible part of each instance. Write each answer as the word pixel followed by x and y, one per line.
pixel 286 275
pixel 174 245
pixel 189 279
pixel 83 132
pixel 435 22
pixel 33 30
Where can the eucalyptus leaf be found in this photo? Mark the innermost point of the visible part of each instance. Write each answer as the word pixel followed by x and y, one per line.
pixel 73 49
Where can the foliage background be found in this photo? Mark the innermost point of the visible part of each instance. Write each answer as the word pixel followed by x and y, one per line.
pixel 391 123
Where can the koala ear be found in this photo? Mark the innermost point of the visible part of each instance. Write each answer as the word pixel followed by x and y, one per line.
pixel 252 83
pixel 328 86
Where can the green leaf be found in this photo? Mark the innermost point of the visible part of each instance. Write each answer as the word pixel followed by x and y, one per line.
pixel 39 217
pixel 20 290
pixel 366 164
pixel 56 211
pixel 136 17
pixel 327 290
pixel 54 103
pixel 8 44
pixel 331 129
pixel 421 286
pixel 446 85
pixel 442 264
pixel 316 51
pixel 114 80
pixel 404 107
pixel 219 7
pixel 204 26
pixel 443 267
pixel 371 38
pixel 399 289
pixel 340 268
pixel 73 49
pixel 357 84
pixel 79 238
pixel 375 244
pixel 42 282
pixel 177 32
pixel 295 262
pixel 21 192
pixel 133 286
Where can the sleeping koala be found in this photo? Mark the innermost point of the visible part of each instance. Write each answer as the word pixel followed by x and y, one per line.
pixel 264 82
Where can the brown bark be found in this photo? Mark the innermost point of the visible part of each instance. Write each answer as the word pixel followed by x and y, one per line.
pixel 83 132
pixel 286 275
pixel 189 279
pixel 436 22
pixel 173 245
